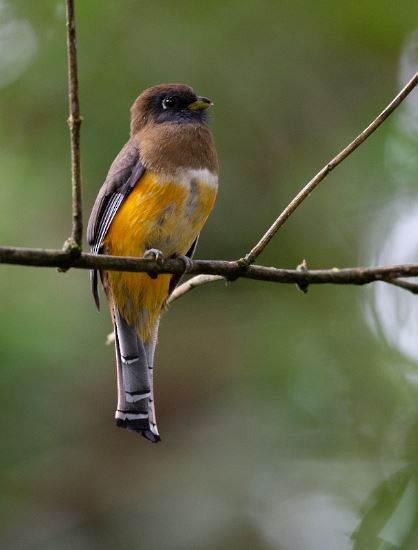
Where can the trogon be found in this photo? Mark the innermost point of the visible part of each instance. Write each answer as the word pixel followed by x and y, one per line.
pixel 156 198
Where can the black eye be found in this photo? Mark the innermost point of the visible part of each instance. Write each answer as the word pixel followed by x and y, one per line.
pixel 169 102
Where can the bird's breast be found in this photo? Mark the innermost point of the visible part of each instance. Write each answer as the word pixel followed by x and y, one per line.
pixel 163 212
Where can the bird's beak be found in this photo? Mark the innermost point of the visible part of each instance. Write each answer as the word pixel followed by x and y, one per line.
pixel 200 104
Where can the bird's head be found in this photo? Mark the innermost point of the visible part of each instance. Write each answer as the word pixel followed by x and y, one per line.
pixel 168 103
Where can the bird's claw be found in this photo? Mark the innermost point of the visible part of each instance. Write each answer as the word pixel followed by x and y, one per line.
pixel 187 262
pixel 155 255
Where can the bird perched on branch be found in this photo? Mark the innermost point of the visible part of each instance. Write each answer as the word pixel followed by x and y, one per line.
pixel 155 200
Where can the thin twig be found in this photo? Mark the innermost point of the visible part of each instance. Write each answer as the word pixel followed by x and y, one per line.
pixel 310 186
pixel 406 285
pixel 74 243
pixel 38 257
pixel 192 283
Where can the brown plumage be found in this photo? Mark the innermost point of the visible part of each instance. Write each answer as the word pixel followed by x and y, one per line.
pixel 158 194
pixel 170 148
pixel 143 107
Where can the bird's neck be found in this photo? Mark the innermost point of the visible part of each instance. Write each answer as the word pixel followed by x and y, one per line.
pixel 168 148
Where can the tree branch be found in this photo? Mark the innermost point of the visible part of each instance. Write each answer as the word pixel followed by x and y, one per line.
pixel 406 285
pixel 193 283
pixel 310 186
pixel 204 270
pixel 74 243
pixel 38 257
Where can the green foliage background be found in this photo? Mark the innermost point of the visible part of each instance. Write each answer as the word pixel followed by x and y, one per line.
pixel 284 417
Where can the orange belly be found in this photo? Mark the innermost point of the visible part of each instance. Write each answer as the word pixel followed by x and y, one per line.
pixel 158 213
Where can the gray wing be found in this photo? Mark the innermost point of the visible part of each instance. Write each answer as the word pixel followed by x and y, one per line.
pixel 123 174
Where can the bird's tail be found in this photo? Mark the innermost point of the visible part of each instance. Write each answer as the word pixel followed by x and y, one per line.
pixel 134 363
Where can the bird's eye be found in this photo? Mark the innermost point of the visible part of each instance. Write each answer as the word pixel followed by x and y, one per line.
pixel 169 102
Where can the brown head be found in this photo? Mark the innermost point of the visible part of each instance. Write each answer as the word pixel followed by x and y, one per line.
pixel 168 122
pixel 168 103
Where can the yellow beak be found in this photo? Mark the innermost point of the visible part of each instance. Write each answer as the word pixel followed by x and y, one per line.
pixel 200 104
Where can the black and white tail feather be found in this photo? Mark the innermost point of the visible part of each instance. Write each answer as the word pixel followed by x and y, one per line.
pixel 135 410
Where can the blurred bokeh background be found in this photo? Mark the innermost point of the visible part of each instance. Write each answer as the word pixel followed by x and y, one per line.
pixel 289 421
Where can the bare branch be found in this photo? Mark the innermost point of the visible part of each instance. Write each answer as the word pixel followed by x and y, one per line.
pixel 64 260
pixel 192 283
pixel 406 285
pixel 310 186
pixel 74 243
pixel 205 271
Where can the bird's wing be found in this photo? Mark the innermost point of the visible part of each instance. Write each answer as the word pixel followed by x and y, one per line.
pixel 123 174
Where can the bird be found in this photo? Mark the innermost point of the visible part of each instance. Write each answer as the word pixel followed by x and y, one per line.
pixel 154 202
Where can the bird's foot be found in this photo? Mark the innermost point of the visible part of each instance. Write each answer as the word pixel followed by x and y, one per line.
pixel 155 255
pixel 187 262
